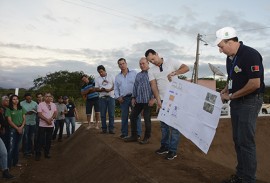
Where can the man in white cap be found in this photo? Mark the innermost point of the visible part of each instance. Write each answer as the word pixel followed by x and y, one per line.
pixel 245 88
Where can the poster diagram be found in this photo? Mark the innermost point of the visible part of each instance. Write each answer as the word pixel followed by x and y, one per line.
pixel 192 109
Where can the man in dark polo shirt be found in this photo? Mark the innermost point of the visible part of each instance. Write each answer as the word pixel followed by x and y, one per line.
pixel 245 88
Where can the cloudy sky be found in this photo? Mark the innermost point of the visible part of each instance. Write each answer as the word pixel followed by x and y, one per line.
pixel 44 36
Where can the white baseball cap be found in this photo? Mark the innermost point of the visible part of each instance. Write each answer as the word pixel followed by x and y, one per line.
pixel 225 33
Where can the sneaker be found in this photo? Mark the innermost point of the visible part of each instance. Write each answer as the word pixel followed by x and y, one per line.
pixel 138 137
pixel 171 155
pixel 7 175
pixel 233 179
pixel 91 125
pixel 144 141
pixel 97 126
pixel 162 150
pixel 123 136
pixel 18 165
pixel 131 139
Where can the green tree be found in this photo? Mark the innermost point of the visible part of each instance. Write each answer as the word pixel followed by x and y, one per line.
pixel 220 84
pixel 182 77
pixel 60 83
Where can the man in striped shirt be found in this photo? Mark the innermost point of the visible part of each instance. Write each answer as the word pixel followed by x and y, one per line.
pixel 142 99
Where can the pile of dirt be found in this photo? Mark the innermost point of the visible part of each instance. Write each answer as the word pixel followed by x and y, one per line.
pixel 89 156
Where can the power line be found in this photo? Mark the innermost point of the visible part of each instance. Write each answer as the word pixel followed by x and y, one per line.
pixel 242 30
pixel 238 30
pixel 127 16
pixel 124 15
pixel 120 14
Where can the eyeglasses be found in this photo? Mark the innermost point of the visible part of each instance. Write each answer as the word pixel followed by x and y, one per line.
pixel 160 68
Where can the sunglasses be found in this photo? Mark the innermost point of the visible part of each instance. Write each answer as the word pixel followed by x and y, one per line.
pixel 49 107
pixel 160 68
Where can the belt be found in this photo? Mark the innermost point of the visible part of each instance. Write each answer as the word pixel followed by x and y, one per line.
pixel 106 96
pixel 250 96
pixel 129 95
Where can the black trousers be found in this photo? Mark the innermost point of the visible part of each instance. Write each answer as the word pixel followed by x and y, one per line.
pixel 44 140
pixel 136 110
pixel 59 125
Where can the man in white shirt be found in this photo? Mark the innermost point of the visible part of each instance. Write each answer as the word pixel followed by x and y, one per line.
pixel 159 76
pixel 105 86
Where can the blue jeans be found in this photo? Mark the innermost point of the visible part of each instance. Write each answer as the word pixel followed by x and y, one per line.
pixel 124 117
pixel 107 104
pixel 68 121
pixel 244 113
pixel 3 156
pixel 14 144
pixel 36 133
pixel 28 136
pixel 170 137
pixel 59 125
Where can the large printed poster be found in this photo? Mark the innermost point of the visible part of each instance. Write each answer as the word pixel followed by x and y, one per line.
pixel 192 109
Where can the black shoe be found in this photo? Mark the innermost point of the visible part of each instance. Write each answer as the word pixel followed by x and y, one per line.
pixel 37 158
pixel 171 155
pixel 162 150
pixel 233 179
pixel 123 136
pixel 7 175
pixel 47 156
pixel 131 139
pixel 111 132
pixel 104 131
pixel 27 155
pixel 144 141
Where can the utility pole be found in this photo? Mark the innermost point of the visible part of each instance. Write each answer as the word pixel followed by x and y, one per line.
pixel 194 78
pixel 196 64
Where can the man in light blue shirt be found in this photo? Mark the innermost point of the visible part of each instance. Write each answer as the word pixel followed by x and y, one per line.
pixel 30 127
pixel 123 89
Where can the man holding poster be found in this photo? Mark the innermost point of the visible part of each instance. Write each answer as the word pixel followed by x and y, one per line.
pixel 159 76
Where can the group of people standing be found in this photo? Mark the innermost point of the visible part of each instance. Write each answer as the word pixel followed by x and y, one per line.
pixel 139 91
pixel 35 124
pixel 136 94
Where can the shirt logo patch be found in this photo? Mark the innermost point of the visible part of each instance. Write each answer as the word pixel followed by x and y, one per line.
pixel 255 68
pixel 237 69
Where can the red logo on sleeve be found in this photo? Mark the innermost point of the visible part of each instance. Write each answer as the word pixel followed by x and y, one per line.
pixel 255 68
